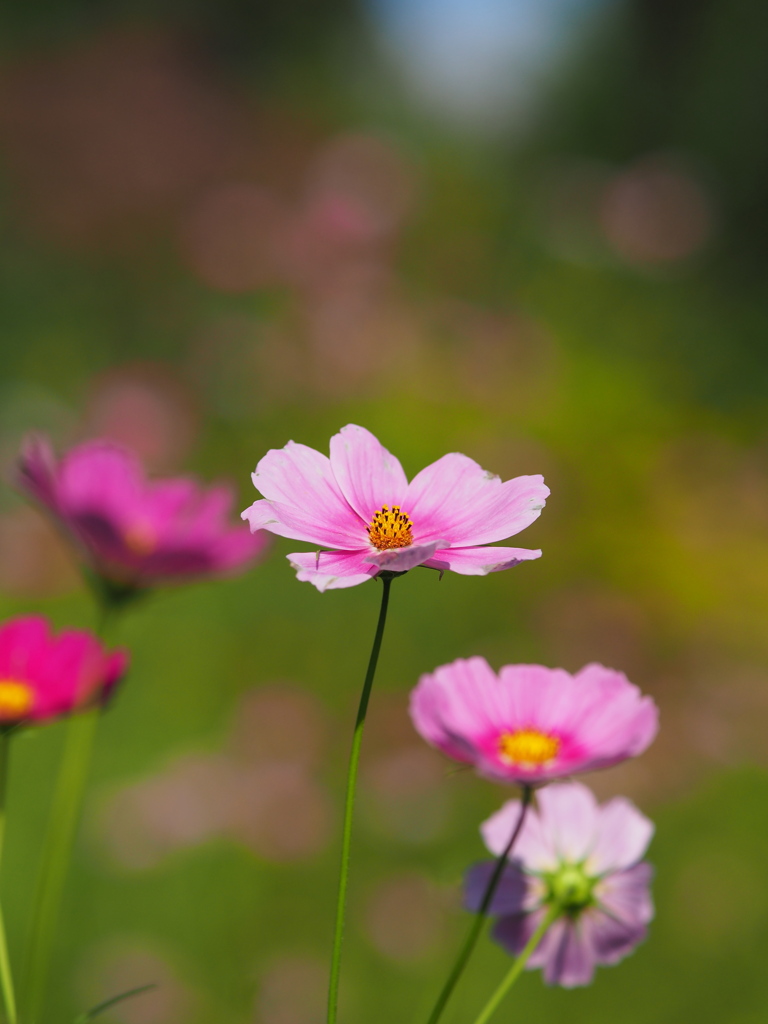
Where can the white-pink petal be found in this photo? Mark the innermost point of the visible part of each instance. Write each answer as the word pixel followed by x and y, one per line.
pixel 332 570
pixel 623 836
pixel 303 524
pixel 402 559
pixel 480 561
pixel 300 479
pixel 534 847
pixel 569 815
pixel 457 499
pixel 369 476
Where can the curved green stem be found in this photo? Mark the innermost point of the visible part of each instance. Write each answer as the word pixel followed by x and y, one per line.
pixel 357 738
pixel 517 967
pixel 477 925
pixel 57 849
pixel 6 977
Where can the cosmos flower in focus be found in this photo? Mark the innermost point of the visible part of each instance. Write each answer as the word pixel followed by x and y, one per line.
pixel 132 532
pixel 579 856
pixel 43 676
pixel 530 724
pixel 359 505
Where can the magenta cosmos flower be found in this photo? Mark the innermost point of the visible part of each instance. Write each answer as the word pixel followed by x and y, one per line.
pixel 531 724
pixel 582 858
pixel 360 505
pixel 43 676
pixel 133 532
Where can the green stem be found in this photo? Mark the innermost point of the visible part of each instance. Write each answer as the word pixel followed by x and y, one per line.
pixel 517 967
pixel 6 978
pixel 57 849
pixel 477 925
pixel 357 738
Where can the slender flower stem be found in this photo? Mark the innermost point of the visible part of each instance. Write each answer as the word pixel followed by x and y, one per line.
pixel 57 849
pixel 517 967
pixel 62 826
pixel 6 978
pixel 357 738
pixel 477 925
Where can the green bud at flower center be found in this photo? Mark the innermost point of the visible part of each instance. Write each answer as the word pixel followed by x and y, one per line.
pixel 571 888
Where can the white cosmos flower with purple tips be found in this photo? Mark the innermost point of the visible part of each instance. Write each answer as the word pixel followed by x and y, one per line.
pixel 359 508
pixel 583 857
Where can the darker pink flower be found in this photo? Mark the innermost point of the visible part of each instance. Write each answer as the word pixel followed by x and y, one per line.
pixel 583 859
pixel 531 724
pixel 359 505
pixel 133 532
pixel 43 676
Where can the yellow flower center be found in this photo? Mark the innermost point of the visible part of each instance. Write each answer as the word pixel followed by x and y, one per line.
pixel 140 539
pixel 16 700
pixel 528 748
pixel 390 528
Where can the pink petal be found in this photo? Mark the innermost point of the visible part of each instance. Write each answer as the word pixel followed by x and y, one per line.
pixel 628 722
pixel 339 528
pixel 455 703
pixel 458 500
pixel 171 505
pixel 332 570
pixel 299 482
pixel 509 894
pixel 368 475
pixel 626 896
pixel 402 559
pixel 102 478
pixel 571 962
pixel 569 813
pixel 610 939
pixel 481 560
pixel 514 932
pixel 623 837
pixel 534 847
pixel 36 472
pixel 537 697
pixel 23 646
pixel 236 549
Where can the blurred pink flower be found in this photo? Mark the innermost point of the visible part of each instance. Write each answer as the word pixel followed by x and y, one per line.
pixel 531 724
pixel 44 676
pixel 135 533
pixel 581 856
pixel 359 504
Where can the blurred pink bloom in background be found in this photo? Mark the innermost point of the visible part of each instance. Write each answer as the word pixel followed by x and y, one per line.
pixel 43 676
pixel 531 724
pixel 359 503
pixel 584 857
pixel 133 532
pixel 262 791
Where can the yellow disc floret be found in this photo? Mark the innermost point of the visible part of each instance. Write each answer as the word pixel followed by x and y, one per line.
pixel 528 748
pixel 16 700
pixel 390 528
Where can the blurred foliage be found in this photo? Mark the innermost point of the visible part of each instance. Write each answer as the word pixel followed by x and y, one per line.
pixel 230 225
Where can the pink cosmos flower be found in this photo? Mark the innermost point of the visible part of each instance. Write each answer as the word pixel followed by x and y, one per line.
pixel 580 856
pixel 43 676
pixel 133 532
pixel 531 724
pixel 360 505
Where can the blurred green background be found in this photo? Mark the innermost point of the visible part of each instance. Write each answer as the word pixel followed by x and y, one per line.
pixel 529 230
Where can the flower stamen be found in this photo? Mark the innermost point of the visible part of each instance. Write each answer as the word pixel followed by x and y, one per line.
pixel 16 700
pixel 140 539
pixel 528 748
pixel 390 528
